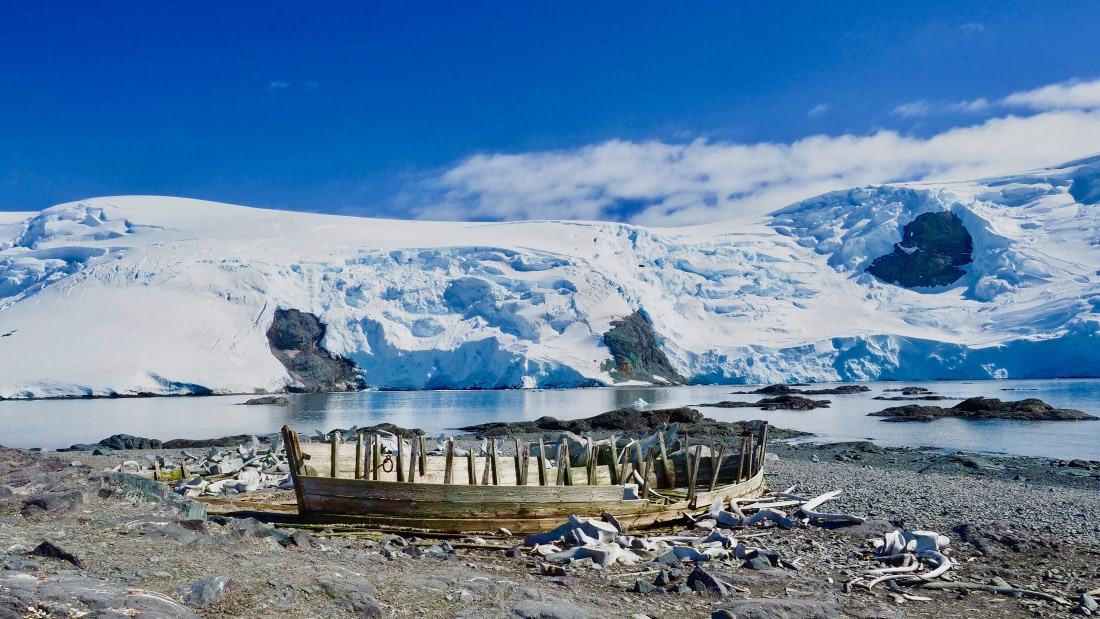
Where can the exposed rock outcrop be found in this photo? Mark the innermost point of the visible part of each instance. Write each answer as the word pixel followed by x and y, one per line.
pixel 633 343
pixel 1031 409
pixel 779 402
pixel 932 248
pixel 295 340
pixel 787 389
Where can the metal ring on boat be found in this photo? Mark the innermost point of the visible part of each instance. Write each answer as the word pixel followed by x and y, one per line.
pixel 387 464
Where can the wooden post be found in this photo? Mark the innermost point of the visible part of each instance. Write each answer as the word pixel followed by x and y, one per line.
pixel 359 456
pixel 694 472
pixel 744 454
pixel 565 461
pixel 670 473
pixel 413 459
pixel 561 465
pixel 614 469
pixel 184 473
pixel 520 461
pixel 488 463
pixel 496 461
pixel 156 470
pixel 765 429
pixel 400 459
pixel 448 471
pixel 423 456
pixel 471 467
pixel 645 476
pixel 542 463
pixel 710 436
pixel 375 456
pixel 593 461
pixel 334 468
pixel 639 457
pixel 716 466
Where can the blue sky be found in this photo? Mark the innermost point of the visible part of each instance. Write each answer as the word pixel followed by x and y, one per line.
pixel 617 110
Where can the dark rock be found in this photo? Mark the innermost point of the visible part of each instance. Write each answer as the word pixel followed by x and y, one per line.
pixel 532 609
pixel 932 248
pixel 295 339
pixel 787 390
pixel 51 550
pixel 225 441
pixel 779 608
pixel 354 594
pixel 993 539
pixel 71 595
pixel 49 502
pixel 1088 603
pixel 637 354
pixel 267 399
pixel 758 563
pixel 1030 409
pixel 550 569
pixel 125 442
pixel 641 586
pixel 662 579
pixel 102 451
pixel 702 580
pixel 206 591
pixel 780 402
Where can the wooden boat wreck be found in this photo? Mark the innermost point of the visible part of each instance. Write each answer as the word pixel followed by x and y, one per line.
pixel 458 491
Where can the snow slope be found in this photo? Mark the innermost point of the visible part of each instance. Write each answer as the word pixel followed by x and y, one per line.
pixel 167 295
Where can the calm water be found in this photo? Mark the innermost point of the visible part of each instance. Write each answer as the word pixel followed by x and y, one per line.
pixel 51 424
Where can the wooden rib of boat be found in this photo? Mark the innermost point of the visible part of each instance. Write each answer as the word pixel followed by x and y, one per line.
pixel 521 493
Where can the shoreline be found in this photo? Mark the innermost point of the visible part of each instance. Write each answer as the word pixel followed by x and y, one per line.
pixel 1033 533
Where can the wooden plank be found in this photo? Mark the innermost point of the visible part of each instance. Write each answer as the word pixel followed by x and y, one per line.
pixel 645 475
pixel 423 456
pixel 448 475
pixel 471 467
pixel 694 472
pixel 614 470
pixel 741 460
pixel 566 464
pixel 542 463
pixel 496 461
pixel 400 459
pixel 670 475
pixel 431 493
pixel 593 455
pixel 375 456
pixel 334 465
pixel 413 459
pixel 359 456
pixel 716 466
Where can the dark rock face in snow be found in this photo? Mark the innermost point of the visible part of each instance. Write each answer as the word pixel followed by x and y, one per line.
pixel 637 354
pixel 295 340
pixel 932 248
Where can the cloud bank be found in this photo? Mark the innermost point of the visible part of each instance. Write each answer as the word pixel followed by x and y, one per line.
pixel 662 184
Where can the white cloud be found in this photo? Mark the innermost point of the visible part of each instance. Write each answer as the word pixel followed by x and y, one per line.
pixel 977 105
pixel 1071 95
pixel 916 109
pixel 277 85
pixel 818 110
pixel 972 28
pixel 658 183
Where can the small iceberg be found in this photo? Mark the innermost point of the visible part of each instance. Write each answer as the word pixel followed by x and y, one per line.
pixel 640 403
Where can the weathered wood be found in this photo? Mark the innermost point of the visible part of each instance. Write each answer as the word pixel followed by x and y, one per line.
pixel 448 475
pixel 334 467
pixel 670 475
pixel 710 437
pixel 694 472
pixel 614 469
pixel 716 466
pixel 471 467
pixel 156 470
pixel 413 460
pixel 488 463
pixel 496 461
pixel 375 456
pixel 542 463
pixel 645 475
pixel 359 456
pixel 400 459
pixel 184 473
pixel 561 467
pixel 526 468
pixel 765 430
pixel 566 464
pixel 423 456
pixel 744 454
pixel 519 461
pixel 593 455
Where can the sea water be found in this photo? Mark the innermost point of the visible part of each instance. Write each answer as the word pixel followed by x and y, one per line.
pixel 52 424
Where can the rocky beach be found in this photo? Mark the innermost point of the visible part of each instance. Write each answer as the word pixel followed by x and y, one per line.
pixel 77 537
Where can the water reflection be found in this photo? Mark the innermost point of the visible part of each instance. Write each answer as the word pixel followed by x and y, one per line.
pixel 59 423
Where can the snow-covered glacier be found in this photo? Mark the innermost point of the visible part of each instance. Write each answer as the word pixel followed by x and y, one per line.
pixel 137 294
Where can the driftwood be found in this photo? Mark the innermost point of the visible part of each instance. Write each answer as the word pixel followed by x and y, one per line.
pixel 1013 591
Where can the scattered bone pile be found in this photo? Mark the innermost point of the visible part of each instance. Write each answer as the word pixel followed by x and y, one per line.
pixel 902 554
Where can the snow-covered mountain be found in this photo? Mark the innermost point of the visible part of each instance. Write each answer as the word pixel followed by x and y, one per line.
pixel 167 295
